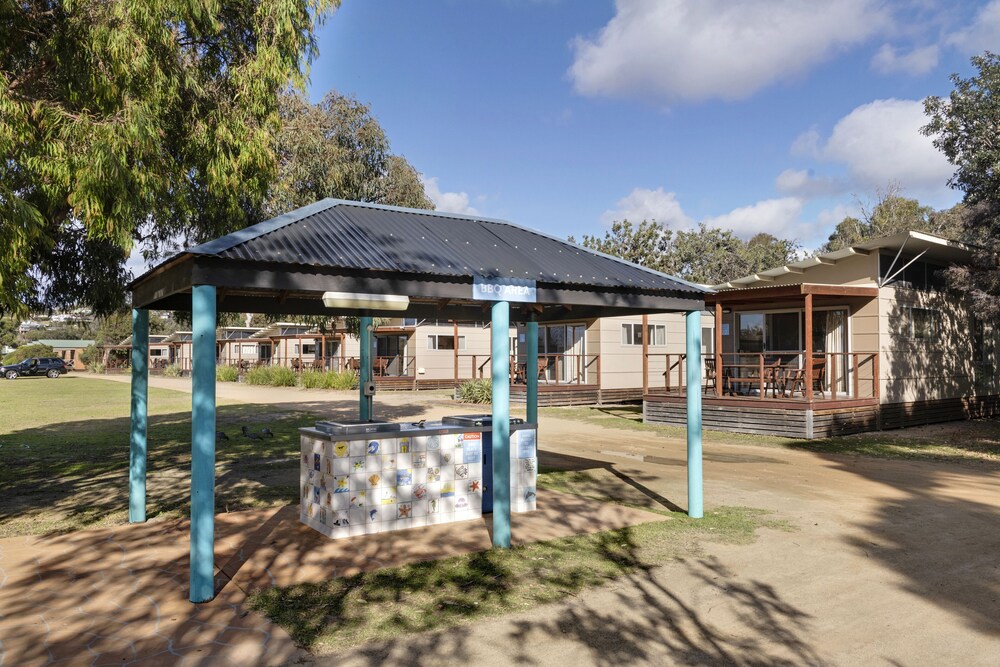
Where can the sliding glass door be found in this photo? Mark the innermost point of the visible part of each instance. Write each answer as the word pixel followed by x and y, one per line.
pixel 563 348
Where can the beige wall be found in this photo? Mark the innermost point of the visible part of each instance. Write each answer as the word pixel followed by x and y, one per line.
pixel 941 366
pixel 621 364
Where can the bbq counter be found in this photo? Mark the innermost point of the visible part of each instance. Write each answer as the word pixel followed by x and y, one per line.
pixel 361 478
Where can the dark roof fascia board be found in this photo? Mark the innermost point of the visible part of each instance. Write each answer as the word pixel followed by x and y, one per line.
pixel 468 312
pixel 163 282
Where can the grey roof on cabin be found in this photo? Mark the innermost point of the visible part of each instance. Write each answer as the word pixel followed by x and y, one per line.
pixel 347 235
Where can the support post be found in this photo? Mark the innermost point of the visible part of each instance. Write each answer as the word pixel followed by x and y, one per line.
pixel 365 372
pixel 454 344
pixel 531 371
pixel 718 349
pixel 695 501
pixel 137 438
pixel 500 368
pixel 809 347
pixel 645 355
pixel 203 444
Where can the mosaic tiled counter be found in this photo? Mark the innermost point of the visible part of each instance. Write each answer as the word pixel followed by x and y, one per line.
pixel 409 478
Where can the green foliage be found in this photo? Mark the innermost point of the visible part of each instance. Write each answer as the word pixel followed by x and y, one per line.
pixel 891 214
pixel 274 376
pixel 96 367
pixel 227 374
pixel 135 119
pixel 702 255
pixel 91 356
pixel 27 352
pixel 8 331
pixel 173 371
pixel 964 128
pixel 476 391
pixel 328 380
pixel 336 148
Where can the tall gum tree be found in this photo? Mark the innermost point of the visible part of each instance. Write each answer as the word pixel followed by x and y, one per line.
pixel 134 120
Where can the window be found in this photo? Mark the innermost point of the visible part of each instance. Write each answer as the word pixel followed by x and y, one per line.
pixel 309 349
pixel 156 352
pixel 632 334
pixel 249 348
pixel 409 321
pixel 978 341
pixel 923 323
pixel 444 342
pixel 920 275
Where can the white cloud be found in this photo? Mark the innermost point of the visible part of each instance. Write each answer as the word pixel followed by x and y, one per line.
pixel 447 202
pixel 703 49
pixel 880 142
pixel 982 34
pixel 643 204
pixel 918 61
pixel 779 217
pixel 805 183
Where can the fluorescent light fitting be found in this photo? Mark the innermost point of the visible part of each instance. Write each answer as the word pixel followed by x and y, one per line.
pixel 351 300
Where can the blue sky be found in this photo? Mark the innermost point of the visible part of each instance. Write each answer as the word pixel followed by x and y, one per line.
pixel 564 115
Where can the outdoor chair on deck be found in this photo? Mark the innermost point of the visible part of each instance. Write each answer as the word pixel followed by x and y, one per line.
pixel 796 380
pixel 354 365
pixel 296 365
pixel 710 375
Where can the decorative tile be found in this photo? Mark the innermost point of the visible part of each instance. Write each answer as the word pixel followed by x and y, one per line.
pixel 526 441
pixel 433 475
pixel 461 472
pixel 419 460
pixel 419 492
pixel 357 448
pixel 433 443
pixel 341 449
pixel 474 486
pixel 341 484
pixel 358 498
pixel 388 494
pixel 404 445
pixel 404 477
pixel 447 489
pixel 317 459
pixel 374 480
pixel 374 447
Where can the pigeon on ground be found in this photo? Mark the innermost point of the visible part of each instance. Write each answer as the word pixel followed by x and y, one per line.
pixel 221 435
pixel 266 432
pixel 247 433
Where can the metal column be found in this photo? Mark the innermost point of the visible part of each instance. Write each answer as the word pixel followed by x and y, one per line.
pixel 137 438
pixel 695 502
pixel 531 372
pixel 203 444
pixel 500 367
pixel 365 372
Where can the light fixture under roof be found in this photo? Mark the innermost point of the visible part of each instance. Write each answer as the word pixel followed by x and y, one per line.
pixel 355 301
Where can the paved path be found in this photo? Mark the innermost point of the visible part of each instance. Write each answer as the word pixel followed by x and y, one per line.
pixel 891 562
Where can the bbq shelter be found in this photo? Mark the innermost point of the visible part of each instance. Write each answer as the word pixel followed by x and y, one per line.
pixel 336 258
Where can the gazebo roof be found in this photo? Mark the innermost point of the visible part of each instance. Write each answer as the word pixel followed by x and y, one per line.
pixel 284 265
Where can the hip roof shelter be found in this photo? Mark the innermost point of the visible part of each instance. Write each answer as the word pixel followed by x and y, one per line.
pixel 339 258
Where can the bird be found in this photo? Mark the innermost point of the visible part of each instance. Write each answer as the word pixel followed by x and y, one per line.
pixel 221 435
pixel 247 433
pixel 266 432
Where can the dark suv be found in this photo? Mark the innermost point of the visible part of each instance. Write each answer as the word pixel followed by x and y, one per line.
pixel 47 366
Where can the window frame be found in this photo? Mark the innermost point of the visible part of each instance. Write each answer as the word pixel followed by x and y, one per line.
pixel 651 328
pixel 433 342
pixel 912 323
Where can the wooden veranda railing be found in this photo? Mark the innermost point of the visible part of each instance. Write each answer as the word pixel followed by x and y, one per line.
pixel 782 374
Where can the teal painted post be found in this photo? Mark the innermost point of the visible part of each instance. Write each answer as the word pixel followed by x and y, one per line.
pixel 531 372
pixel 203 444
pixel 695 502
pixel 500 367
pixel 365 406
pixel 137 438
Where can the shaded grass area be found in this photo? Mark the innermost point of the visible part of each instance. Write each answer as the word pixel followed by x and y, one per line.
pixel 387 603
pixel 977 440
pixel 64 455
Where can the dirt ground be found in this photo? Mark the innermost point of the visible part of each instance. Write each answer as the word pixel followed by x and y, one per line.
pixel 891 562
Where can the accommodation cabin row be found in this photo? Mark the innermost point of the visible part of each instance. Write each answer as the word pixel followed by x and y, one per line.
pixel 863 338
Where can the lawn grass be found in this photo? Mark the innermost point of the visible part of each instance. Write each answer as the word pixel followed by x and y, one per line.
pixel 977 440
pixel 383 604
pixel 64 453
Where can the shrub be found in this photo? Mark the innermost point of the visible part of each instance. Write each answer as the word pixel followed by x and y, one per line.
pixel 274 376
pixel 172 371
pixel 282 377
pixel 476 391
pixel 27 352
pixel 328 380
pixel 227 374
pixel 96 367
pixel 91 356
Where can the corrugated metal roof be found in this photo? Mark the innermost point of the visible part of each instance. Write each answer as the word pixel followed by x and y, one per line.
pixel 353 235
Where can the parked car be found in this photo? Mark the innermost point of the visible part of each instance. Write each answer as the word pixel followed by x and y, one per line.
pixel 47 366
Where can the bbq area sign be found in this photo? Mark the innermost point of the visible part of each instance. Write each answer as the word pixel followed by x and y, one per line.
pixel 503 289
